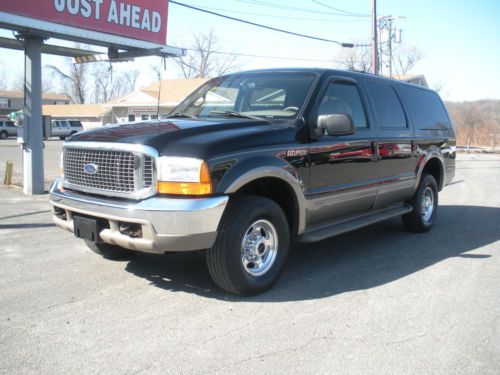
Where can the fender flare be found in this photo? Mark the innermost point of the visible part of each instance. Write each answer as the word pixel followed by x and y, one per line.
pixel 422 162
pixel 253 169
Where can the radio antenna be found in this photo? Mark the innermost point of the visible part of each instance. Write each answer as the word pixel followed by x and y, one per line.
pixel 159 87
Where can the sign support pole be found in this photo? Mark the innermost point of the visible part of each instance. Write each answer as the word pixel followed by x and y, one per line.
pixel 33 176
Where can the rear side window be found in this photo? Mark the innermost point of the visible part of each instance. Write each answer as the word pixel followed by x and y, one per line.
pixel 343 97
pixel 75 124
pixel 388 110
pixel 10 124
pixel 425 108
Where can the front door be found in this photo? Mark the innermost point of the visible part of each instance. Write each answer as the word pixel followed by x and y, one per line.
pixel 343 172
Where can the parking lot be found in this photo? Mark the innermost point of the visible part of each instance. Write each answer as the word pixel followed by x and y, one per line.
pixel 378 300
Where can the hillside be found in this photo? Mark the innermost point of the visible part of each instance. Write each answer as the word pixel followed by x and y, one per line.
pixel 476 123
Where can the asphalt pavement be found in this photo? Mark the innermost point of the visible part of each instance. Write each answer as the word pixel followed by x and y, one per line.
pixel 375 301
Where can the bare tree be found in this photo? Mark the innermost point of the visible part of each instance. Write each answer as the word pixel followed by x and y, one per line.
pixel 130 78
pixel 93 82
pixel 4 82
pixel 157 71
pixel 476 123
pixel 438 86
pixel 406 59
pixel 74 80
pixel 110 84
pixel 204 59
pixel 358 58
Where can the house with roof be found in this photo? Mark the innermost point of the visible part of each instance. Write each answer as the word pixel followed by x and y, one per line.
pixel 90 115
pixel 13 101
pixel 153 101
pixel 145 104
pixel 416 79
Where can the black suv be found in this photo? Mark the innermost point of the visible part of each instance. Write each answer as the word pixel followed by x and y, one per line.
pixel 252 160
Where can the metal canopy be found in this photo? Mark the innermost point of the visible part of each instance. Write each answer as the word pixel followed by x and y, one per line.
pixel 44 29
pixel 49 49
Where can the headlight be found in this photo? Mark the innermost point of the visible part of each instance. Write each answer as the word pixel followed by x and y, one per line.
pixel 183 176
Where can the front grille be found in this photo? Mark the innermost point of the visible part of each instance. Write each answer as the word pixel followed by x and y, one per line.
pixel 147 176
pixel 107 172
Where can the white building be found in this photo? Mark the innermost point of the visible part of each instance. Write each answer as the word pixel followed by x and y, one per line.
pixel 153 101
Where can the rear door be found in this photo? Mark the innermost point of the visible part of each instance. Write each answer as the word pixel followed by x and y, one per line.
pixel 396 149
pixel 343 175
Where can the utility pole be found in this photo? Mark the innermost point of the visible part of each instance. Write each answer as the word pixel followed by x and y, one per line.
pixel 375 69
pixel 393 36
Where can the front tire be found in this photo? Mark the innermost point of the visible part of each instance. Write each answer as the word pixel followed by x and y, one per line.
pixel 109 251
pixel 3 135
pixel 251 248
pixel 425 204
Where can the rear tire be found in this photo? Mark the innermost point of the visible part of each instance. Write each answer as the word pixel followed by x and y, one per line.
pixel 62 138
pixel 3 135
pixel 251 248
pixel 108 251
pixel 425 204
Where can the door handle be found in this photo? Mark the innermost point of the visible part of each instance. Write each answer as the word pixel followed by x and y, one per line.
pixel 375 152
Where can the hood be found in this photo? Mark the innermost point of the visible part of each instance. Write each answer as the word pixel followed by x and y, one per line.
pixel 185 137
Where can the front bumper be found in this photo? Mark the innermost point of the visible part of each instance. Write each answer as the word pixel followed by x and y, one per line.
pixel 167 224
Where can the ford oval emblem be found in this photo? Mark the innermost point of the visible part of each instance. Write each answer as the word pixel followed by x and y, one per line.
pixel 90 168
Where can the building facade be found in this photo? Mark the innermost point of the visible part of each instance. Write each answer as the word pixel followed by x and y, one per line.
pixel 12 101
pixel 153 101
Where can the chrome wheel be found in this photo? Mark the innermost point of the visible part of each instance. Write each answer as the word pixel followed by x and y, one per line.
pixel 427 204
pixel 259 248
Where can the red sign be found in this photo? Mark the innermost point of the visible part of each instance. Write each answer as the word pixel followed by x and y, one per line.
pixel 137 19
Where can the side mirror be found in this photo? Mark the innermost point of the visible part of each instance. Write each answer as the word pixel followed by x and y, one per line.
pixel 336 124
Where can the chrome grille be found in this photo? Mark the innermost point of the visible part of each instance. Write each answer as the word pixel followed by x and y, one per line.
pixel 110 172
pixel 148 168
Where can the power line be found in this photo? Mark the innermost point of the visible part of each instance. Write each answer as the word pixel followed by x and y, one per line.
pixel 262 56
pixel 285 17
pixel 347 45
pixel 302 10
pixel 341 10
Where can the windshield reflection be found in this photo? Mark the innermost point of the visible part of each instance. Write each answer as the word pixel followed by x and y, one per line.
pixel 269 95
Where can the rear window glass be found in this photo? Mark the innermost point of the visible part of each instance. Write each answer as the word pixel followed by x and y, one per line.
pixel 425 108
pixel 75 124
pixel 388 110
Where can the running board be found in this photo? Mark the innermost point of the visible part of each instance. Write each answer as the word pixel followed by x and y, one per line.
pixel 343 226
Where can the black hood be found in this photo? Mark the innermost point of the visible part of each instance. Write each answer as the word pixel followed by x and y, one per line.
pixel 186 137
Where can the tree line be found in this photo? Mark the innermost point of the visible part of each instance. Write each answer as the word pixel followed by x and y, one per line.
pixel 477 123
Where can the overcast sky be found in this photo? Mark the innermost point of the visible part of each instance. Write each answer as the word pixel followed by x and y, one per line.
pixel 460 39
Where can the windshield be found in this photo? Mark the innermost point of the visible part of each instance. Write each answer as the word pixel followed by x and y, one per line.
pixel 269 95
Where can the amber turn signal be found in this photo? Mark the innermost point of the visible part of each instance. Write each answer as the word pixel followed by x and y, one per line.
pixel 203 187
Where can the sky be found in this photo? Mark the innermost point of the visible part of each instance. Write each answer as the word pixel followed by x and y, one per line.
pixel 460 40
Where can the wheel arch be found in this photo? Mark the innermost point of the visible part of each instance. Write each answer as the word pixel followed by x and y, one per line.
pixel 432 164
pixel 281 183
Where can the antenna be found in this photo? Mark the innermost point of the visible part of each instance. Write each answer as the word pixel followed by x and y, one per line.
pixel 159 87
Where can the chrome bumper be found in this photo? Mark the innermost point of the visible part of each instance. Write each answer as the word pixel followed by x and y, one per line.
pixel 168 224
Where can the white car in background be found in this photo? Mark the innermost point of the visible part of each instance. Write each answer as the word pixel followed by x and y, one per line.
pixel 7 129
pixel 65 128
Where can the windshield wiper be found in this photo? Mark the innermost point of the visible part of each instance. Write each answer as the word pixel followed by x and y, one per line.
pixel 239 115
pixel 179 114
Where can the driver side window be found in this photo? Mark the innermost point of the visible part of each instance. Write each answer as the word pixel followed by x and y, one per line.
pixel 343 97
